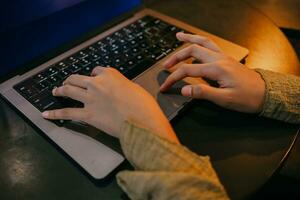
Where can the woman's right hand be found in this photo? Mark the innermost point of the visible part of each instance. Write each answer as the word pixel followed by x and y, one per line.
pixel 109 100
pixel 240 88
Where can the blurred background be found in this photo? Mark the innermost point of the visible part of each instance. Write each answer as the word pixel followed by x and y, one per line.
pixel 285 14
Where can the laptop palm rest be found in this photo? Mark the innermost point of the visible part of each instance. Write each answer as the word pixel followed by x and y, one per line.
pixel 96 134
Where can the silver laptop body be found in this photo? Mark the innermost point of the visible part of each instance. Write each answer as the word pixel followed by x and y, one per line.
pixel 95 157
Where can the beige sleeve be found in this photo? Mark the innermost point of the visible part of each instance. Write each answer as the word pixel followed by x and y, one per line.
pixel 165 170
pixel 282 100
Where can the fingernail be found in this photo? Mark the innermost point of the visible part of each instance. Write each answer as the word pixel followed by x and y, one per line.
pixel 45 114
pixel 166 63
pixel 161 87
pixel 54 90
pixel 179 34
pixel 187 91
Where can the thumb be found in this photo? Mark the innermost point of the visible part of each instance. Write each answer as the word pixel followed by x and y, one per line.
pixel 203 91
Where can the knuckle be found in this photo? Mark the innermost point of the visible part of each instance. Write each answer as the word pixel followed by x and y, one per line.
pixel 220 63
pixel 183 69
pixel 91 83
pixel 194 36
pixel 205 40
pixel 224 57
pixel 113 70
pixel 52 114
pixel 104 70
pixel 109 69
pixel 177 56
pixel 88 116
pixel 65 89
pixel 98 68
pixel 229 58
pixel 196 91
pixel 73 76
pixel 170 78
pixel 59 91
pixel 95 83
pixel 69 78
pixel 194 48
pixel 189 37
pixel 228 101
pixel 63 113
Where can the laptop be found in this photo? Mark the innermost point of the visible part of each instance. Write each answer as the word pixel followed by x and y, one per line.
pixel 44 42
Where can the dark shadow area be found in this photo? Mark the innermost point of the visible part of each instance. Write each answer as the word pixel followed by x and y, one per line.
pixel 279 187
pixel 3 119
pixel 9 130
pixel 222 133
pixel 245 149
pixel 294 38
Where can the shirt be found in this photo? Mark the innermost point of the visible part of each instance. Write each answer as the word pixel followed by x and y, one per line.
pixel 165 170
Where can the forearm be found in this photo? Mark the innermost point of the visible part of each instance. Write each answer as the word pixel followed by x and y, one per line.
pixel 282 99
pixel 165 170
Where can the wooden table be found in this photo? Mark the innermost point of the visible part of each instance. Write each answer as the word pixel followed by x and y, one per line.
pixel 284 13
pixel 245 149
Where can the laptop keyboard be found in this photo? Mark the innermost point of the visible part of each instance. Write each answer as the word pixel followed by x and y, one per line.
pixel 131 50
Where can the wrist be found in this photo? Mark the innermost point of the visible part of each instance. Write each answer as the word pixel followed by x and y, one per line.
pixel 261 91
pixel 158 125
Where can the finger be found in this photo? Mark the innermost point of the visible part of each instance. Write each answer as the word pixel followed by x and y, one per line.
pixel 78 80
pixel 75 114
pixel 97 70
pixel 196 51
pixel 208 70
pixel 200 40
pixel 201 91
pixel 71 91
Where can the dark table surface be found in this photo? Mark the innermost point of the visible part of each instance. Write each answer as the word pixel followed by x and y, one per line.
pixel 245 149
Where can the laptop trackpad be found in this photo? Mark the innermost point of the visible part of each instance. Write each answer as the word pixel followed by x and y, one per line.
pixel 172 100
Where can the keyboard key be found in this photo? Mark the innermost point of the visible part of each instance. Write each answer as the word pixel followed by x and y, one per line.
pixel 70 61
pixel 139 57
pixel 40 96
pixel 83 62
pixel 67 102
pixel 27 92
pixel 130 64
pixel 65 73
pixel 135 50
pixel 87 70
pixel 74 68
pixel 152 31
pixel 40 87
pixel 61 65
pixel 139 68
pixel 48 103
pixel 51 70
pixel 125 47
pixel 39 77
